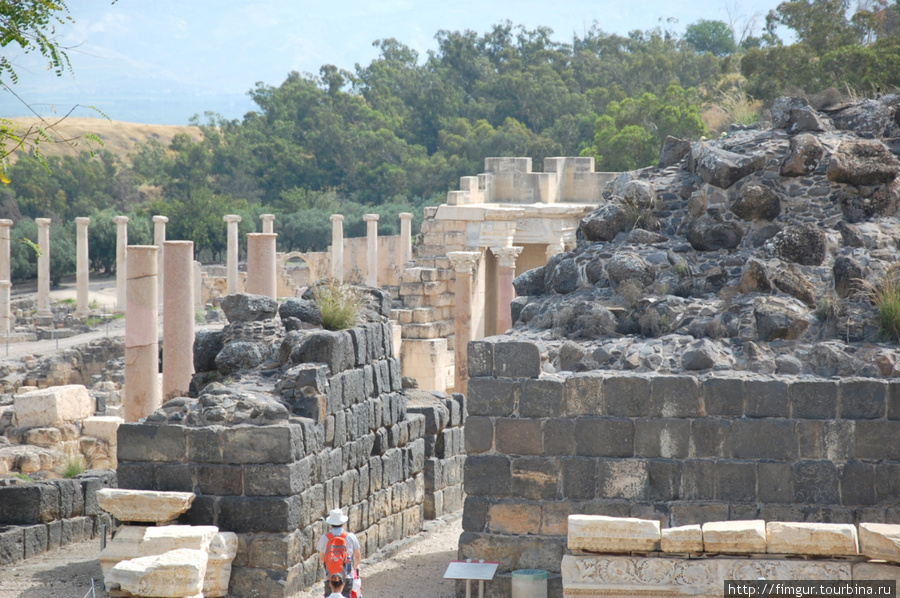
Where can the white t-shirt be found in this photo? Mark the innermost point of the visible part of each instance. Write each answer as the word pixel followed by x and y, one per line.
pixel 351 539
pixel 336 595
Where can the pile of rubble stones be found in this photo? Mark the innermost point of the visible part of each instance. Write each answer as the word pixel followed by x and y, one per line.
pixel 755 252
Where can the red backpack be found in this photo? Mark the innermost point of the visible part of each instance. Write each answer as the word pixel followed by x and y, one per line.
pixel 337 555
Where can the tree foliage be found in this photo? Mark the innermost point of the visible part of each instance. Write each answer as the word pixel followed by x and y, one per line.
pixel 714 37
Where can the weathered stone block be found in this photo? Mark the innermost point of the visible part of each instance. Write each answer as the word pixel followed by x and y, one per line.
pixel 876 439
pixel 278 480
pixel 863 398
pixel 675 396
pixel 12 545
pixel 481 359
pixel 144 505
pixel 691 513
pixel 221 480
pixel 736 481
pixel 262 444
pixel 816 482
pixel 175 573
pixel 735 537
pixel 858 483
pixel 29 503
pixel 710 438
pixel 723 396
pixel 814 399
pixel 823 539
pixel 487 476
pixel 774 482
pixel 559 437
pixel 627 396
pixel 668 438
pixel 513 552
pixel 583 394
pixel 517 360
pixel 604 437
pixel 535 478
pixel 53 406
pixel 260 514
pixel 880 541
pixel 767 398
pixel 664 478
pixel 141 442
pixel 35 540
pixel 492 397
pixel 579 477
pixel 597 533
pixel 543 397
pixel 518 436
pixel 625 479
pixel 686 538
pixel 764 439
pixel 479 434
pixel 514 518
pixel 698 480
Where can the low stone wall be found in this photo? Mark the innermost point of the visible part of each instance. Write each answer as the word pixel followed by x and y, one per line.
pixel 41 516
pixel 445 453
pixel 678 449
pixel 349 444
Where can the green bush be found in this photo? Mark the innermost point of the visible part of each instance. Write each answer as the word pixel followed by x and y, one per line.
pixel 74 466
pixel 885 296
pixel 340 304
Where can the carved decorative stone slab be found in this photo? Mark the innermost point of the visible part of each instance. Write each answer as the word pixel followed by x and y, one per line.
pixel 620 576
pixel 597 533
pixel 144 506
pixel 824 539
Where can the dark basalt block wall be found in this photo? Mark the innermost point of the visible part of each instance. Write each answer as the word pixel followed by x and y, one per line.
pixel 676 448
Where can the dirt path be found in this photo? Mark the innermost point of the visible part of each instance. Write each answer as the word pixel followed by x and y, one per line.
pixel 415 569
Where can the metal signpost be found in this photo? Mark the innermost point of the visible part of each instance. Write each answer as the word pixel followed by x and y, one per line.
pixel 480 571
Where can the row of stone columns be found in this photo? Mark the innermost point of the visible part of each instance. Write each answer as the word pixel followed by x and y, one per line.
pixel 464 263
pixel 337 245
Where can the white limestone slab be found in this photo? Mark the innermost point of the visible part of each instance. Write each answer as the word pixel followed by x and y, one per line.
pixel 820 539
pixel 735 537
pixel 222 551
pixel 172 574
pixel 144 505
pixel 53 406
pixel 880 541
pixel 598 533
pixel 134 541
pixel 686 538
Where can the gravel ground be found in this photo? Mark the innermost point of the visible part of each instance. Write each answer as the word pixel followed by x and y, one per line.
pixel 412 568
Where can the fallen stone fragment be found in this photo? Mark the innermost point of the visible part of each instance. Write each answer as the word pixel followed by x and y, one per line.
pixel 687 538
pixel 53 406
pixel 735 537
pixel 144 505
pixel 598 533
pixel 880 541
pixel 174 574
pixel 825 539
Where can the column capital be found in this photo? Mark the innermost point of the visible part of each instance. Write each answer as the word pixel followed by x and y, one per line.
pixel 231 218
pixel 337 217
pixel 42 221
pixel 463 262
pixel 120 219
pixel 83 220
pixel 5 284
pixel 5 222
pixel 267 217
pixel 160 219
pixel 406 216
pixel 371 217
pixel 506 256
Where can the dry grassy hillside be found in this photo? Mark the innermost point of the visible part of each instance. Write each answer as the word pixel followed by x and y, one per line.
pixel 118 137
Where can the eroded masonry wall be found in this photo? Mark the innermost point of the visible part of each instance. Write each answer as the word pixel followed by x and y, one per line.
pixel 355 447
pixel 680 449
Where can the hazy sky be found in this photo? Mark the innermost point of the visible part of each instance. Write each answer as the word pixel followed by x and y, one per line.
pixel 162 61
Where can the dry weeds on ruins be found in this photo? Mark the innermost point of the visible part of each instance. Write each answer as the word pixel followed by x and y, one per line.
pixel 643 383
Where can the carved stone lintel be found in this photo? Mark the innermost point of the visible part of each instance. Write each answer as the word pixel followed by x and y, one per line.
pixel 506 256
pixel 463 261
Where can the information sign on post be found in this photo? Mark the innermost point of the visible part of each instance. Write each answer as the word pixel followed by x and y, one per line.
pixel 469 570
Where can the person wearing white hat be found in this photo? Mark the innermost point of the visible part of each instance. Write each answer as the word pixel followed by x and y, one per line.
pixel 338 535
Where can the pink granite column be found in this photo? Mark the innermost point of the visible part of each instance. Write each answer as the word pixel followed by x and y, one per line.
pixel 405 238
pixel 337 247
pixel 121 260
pixel 261 267
pixel 231 266
pixel 463 263
pixel 371 249
pixel 159 237
pixel 43 278
pixel 506 272
pixel 178 323
pixel 268 223
pixel 142 390
pixel 82 266
pixel 5 226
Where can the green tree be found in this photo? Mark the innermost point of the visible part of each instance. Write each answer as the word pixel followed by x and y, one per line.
pixel 715 37
pixel 820 24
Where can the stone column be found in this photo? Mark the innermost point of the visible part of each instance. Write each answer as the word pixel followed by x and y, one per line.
pixel 261 268
pixel 337 247
pixel 178 323
pixel 142 391
pixel 198 285
pixel 121 261
pixel 82 266
pixel 43 282
pixel 372 249
pixel 463 263
pixel 405 238
pixel 159 237
pixel 231 268
pixel 268 223
pixel 506 271
pixel 5 320
pixel 5 225
pixel 554 248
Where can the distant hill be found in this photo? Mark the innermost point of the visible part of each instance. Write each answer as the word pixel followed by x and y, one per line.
pixel 118 137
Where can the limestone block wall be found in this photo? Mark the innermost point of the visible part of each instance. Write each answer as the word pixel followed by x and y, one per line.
pixel 445 417
pixel 349 444
pixel 678 449
pixel 41 516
